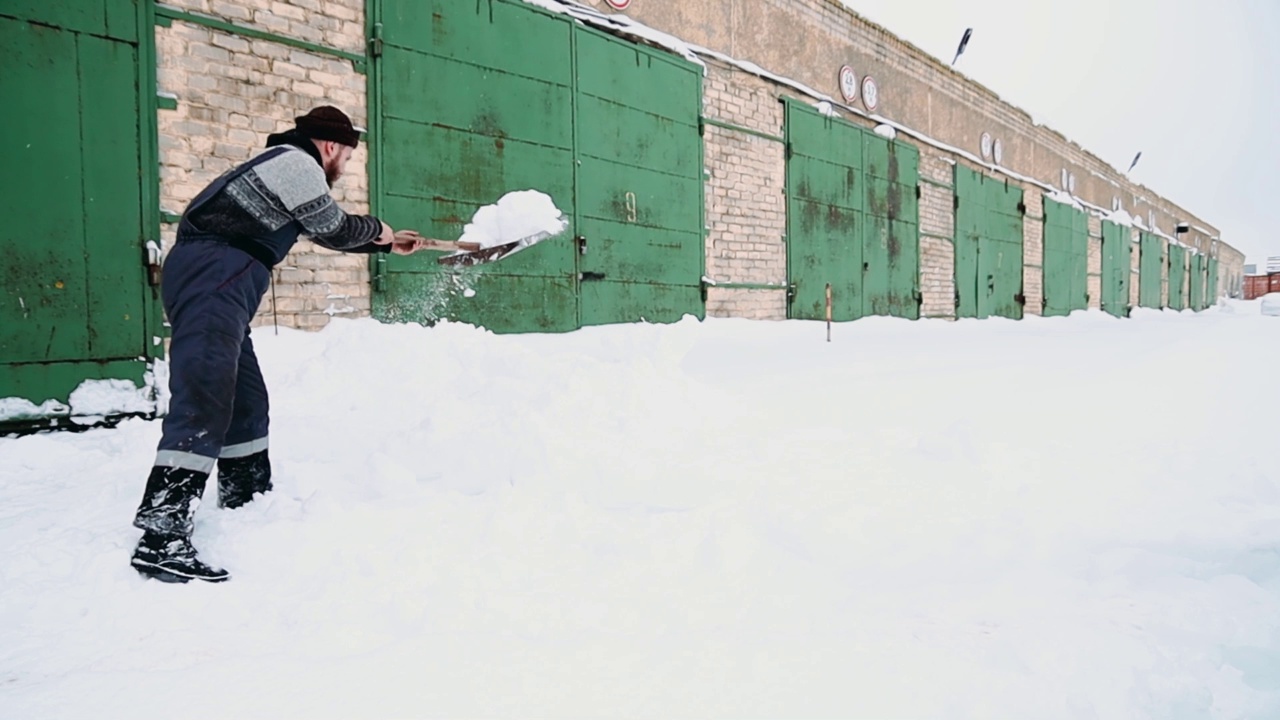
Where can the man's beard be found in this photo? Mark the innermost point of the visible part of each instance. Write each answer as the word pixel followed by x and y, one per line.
pixel 331 172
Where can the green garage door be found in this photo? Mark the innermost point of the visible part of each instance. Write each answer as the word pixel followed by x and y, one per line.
pixel 1196 285
pixel 1116 268
pixel 640 183
pixel 608 129
pixel 988 240
pixel 1177 273
pixel 852 219
pixel 1066 259
pixel 1213 281
pixel 75 304
pixel 1150 271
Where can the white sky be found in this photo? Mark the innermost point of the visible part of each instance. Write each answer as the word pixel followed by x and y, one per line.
pixel 1193 84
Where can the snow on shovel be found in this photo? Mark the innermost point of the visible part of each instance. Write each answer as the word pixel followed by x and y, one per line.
pixel 494 253
pixel 518 220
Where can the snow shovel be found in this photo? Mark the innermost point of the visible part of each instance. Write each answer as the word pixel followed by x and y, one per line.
pixel 494 253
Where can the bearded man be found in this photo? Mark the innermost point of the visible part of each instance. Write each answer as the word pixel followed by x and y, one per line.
pixel 230 237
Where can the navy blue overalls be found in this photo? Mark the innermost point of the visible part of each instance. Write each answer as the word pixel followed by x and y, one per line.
pixel 211 288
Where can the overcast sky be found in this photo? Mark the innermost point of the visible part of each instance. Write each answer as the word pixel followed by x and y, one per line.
pixel 1193 84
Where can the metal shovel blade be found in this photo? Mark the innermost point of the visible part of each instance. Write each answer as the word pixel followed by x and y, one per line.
pixel 491 254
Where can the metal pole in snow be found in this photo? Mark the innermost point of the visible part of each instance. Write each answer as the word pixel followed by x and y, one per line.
pixel 828 312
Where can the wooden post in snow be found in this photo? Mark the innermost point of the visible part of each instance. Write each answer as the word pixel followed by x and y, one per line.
pixel 828 312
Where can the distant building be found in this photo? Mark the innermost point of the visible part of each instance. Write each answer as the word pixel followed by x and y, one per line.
pixel 1251 269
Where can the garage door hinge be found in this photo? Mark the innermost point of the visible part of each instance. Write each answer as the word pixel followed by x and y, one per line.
pixel 919 192
pixel 1020 299
pixel 957 299
pixel 151 256
pixel 375 42
pixel 1022 208
pixel 955 202
pixel 791 293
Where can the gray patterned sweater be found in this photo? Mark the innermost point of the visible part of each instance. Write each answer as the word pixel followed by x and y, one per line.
pixel 259 206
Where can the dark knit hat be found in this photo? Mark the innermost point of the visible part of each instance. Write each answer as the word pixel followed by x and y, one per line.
pixel 328 123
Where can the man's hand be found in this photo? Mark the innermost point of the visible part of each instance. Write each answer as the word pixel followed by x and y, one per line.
pixel 407 242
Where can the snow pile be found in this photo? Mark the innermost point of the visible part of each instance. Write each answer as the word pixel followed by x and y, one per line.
pixel 825 108
pixel 719 519
pixel 1065 198
pixel 1270 304
pixel 517 215
pixel 16 408
pixel 622 25
pixel 91 400
pixel 105 397
pixel 886 131
pixel 1120 217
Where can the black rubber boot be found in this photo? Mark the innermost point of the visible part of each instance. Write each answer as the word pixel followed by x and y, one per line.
pixel 172 559
pixel 239 479
pixel 169 502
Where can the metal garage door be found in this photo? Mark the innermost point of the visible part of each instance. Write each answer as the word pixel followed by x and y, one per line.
pixel 1066 259
pixel 75 304
pixel 1177 275
pixel 1150 271
pixel 852 219
pixel 464 114
pixel 1116 268
pixel 988 240
pixel 1196 286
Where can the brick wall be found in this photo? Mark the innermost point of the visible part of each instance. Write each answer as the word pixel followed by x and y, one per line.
pixel 232 92
pixel 1094 264
pixel 937 236
pixel 808 40
pixel 746 205
pixel 1033 250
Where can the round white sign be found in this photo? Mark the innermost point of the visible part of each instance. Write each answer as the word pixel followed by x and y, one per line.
pixel 619 4
pixel 985 145
pixel 998 151
pixel 848 84
pixel 870 93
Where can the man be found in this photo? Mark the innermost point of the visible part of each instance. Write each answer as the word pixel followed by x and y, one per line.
pixel 229 238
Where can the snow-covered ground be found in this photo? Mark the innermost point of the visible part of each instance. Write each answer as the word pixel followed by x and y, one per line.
pixel 1055 518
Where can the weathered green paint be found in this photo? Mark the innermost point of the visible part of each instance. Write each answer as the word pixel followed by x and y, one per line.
pixel 891 246
pixel 1116 268
pixel 852 219
pixel 1150 271
pixel 1212 298
pixel 988 242
pixel 1177 282
pixel 608 129
pixel 640 184
pixel 825 204
pixel 1066 259
pixel 75 304
pixel 113 19
pixel 1196 285
pixel 501 303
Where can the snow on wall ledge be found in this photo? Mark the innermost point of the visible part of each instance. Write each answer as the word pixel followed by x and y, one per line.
pixel 93 400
